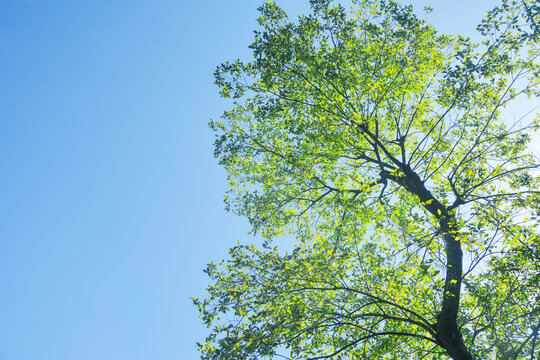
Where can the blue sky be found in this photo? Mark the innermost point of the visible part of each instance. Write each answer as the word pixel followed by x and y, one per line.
pixel 110 198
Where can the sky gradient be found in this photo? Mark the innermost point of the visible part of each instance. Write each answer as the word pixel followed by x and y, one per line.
pixel 111 202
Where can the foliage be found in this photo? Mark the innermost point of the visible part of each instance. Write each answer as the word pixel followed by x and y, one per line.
pixel 380 145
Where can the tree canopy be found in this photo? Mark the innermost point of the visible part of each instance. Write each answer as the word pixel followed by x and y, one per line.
pixel 383 147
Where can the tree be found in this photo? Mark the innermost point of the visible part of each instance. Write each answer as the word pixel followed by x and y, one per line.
pixel 381 145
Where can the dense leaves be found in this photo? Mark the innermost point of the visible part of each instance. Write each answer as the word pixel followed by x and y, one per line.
pixel 382 147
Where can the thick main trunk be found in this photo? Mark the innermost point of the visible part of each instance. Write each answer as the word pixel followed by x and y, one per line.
pixel 448 334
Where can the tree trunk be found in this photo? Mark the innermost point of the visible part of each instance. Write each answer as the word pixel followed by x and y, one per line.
pixel 448 335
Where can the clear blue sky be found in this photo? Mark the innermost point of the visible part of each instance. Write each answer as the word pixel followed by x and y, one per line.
pixel 110 198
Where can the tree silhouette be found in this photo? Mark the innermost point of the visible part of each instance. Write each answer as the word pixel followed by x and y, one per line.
pixel 380 145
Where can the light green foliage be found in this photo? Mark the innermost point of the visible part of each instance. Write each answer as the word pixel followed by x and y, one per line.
pixel 379 144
